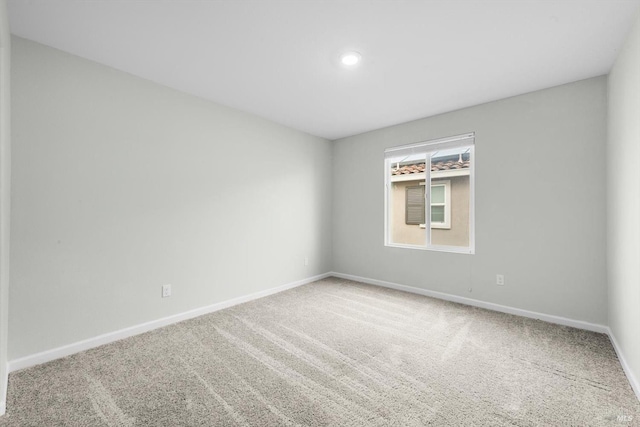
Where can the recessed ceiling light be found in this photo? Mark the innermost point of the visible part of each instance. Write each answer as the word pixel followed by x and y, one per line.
pixel 350 58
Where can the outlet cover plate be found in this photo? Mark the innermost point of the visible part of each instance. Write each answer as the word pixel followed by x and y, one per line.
pixel 166 291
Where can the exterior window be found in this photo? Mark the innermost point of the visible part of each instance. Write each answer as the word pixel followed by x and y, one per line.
pixel 446 203
pixel 440 204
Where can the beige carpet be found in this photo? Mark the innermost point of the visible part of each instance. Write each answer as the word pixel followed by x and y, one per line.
pixel 336 353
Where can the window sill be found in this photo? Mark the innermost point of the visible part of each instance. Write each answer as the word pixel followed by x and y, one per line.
pixel 449 249
pixel 437 226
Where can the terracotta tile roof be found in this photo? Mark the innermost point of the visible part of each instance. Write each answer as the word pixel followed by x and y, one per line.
pixel 435 166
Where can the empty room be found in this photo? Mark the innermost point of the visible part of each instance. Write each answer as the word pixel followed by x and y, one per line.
pixel 319 213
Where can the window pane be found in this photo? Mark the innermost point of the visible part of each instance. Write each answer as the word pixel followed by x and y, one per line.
pixel 443 168
pixel 437 194
pixel 450 186
pixel 406 200
pixel 437 213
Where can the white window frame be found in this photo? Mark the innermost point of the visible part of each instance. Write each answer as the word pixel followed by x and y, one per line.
pixel 447 206
pixel 428 148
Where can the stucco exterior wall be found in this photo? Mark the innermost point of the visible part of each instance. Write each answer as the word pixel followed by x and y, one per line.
pixel 400 231
pixel 457 235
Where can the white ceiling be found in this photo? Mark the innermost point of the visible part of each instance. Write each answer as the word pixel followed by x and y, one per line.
pixel 278 59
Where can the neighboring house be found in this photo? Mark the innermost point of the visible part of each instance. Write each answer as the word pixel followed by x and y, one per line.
pixel 449 202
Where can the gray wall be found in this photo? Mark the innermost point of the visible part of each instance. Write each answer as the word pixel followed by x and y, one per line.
pixel 623 201
pixel 121 185
pixel 540 211
pixel 5 193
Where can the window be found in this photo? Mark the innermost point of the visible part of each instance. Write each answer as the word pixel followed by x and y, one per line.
pixel 440 204
pixel 446 203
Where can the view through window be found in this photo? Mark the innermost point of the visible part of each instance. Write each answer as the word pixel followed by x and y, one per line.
pixel 446 204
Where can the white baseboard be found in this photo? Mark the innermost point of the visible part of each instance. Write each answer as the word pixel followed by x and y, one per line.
pixel 635 385
pixel 67 350
pixel 477 303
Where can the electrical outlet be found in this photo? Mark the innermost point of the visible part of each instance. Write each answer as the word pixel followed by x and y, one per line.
pixel 500 279
pixel 306 260
pixel 166 291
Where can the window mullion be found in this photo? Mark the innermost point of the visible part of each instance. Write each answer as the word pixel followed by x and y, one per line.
pixel 387 201
pixel 427 202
